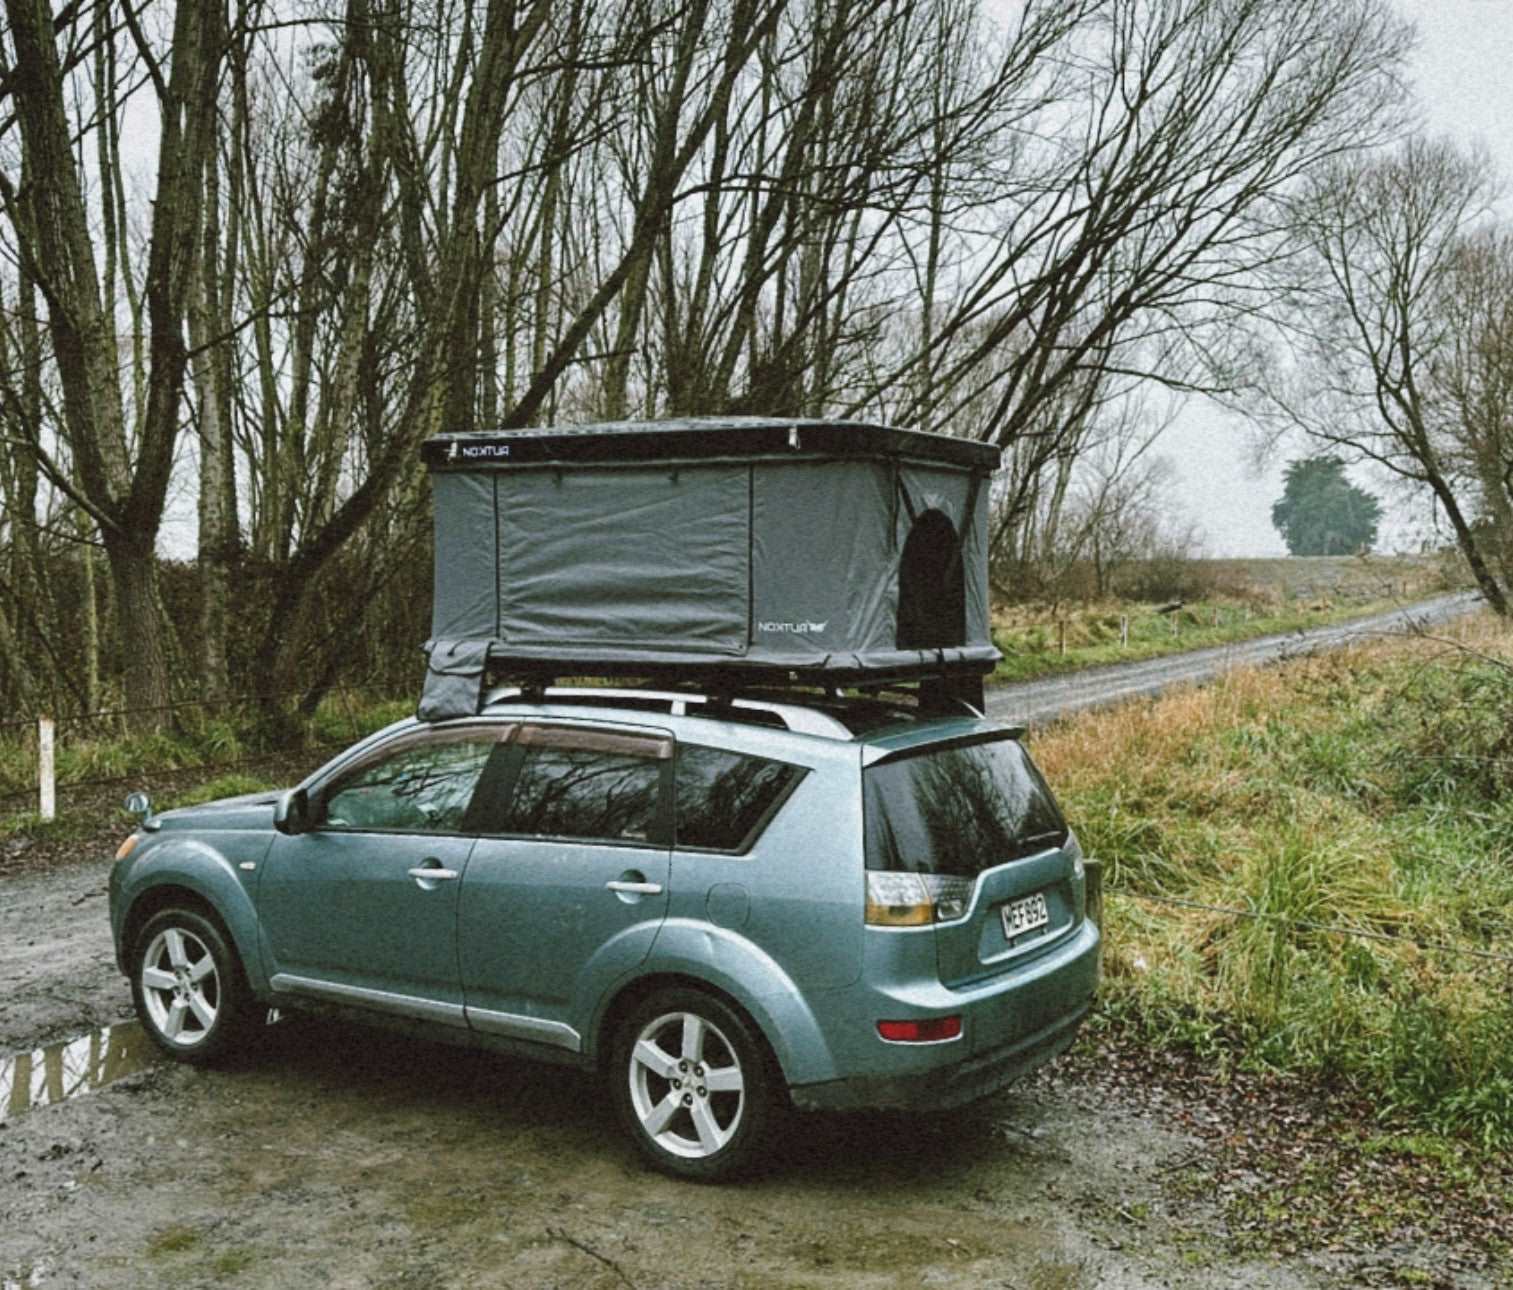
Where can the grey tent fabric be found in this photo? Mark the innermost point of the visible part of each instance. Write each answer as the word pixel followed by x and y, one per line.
pixel 766 547
pixel 825 527
pixel 644 555
pixel 454 680
pixel 465 556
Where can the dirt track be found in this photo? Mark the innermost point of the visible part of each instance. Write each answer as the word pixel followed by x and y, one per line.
pixel 340 1157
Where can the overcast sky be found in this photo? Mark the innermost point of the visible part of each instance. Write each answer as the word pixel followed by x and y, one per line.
pixel 1462 70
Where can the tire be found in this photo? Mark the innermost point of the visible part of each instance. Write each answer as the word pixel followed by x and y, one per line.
pixel 693 1085
pixel 188 987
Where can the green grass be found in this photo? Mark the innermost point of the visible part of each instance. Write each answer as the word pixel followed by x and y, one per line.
pixel 220 741
pixel 212 790
pixel 1369 793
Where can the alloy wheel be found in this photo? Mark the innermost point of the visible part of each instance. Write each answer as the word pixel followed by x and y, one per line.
pixel 181 987
pixel 687 1088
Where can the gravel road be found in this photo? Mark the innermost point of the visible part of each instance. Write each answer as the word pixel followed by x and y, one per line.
pixel 1033 703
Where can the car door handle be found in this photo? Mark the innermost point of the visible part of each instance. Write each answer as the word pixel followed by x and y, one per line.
pixel 636 888
pixel 433 875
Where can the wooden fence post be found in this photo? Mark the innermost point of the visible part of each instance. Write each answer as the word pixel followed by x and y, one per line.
pixel 1123 631
pixel 47 788
pixel 1061 636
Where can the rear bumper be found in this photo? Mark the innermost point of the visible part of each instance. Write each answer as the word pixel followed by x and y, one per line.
pixel 945 1087
pixel 1012 1022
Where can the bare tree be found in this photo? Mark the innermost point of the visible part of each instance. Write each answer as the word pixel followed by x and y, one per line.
pixel 1131 239
pixel 121 442
pixel 1371 334
pixel 372 219
pixel 1474 380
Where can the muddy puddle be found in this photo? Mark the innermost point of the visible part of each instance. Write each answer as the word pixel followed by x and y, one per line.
pixel 73 1068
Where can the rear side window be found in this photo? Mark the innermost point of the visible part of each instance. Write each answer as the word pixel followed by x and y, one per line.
pixel 958 810
pixel 724 799
pixel 587 785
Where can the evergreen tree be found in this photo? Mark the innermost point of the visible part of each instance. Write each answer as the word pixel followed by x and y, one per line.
pixel 1321 512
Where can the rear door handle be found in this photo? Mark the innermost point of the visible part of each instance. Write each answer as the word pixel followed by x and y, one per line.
pixel 636 888
pixel 438 874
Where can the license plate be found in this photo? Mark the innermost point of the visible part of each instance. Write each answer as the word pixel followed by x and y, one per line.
pixel 1021 916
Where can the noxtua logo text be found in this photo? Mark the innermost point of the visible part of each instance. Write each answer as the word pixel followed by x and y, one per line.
pixel 472 451
pixel 800 628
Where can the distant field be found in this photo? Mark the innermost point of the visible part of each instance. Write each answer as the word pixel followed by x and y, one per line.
pixel 1350 578
pixel 1240 600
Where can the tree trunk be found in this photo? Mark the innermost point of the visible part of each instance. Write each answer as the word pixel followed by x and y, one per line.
pixel 1486 580
pixel 140 624
pixel 91 689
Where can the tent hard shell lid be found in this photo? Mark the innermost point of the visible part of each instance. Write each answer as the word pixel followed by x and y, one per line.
pixel 731 551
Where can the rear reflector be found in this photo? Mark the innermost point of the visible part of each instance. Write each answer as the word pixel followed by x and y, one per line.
pixel 929 1031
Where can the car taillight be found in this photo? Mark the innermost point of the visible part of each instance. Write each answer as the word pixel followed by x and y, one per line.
pixel 931 1030
pixel 916 899
pixel 1093 900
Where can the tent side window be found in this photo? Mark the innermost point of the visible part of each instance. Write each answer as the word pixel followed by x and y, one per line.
pixel 932 600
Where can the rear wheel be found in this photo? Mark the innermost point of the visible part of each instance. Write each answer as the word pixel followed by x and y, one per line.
pixel 188 987
pixel 693 1086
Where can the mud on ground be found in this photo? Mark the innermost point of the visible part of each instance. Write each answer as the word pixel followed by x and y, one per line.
pixel 342 1157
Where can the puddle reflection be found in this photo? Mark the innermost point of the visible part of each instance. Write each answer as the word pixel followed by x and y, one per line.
pixel 72 1068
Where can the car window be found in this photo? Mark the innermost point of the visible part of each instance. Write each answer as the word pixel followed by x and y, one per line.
pixel 958 810
pixel 423 786
pixel 724 799
pixel 588 785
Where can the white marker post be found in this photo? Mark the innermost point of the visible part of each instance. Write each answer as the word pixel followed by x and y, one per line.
pixel 47 788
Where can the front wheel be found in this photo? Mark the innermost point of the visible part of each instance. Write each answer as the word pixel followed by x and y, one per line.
pixel 188 987
pixel 692 1086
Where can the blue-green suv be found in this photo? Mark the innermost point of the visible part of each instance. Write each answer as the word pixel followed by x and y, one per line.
pixel 728 905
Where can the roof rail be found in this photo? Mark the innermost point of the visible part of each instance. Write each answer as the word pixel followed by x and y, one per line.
pixel 794 716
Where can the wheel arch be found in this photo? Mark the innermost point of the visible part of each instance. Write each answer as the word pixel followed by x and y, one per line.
pixel 153 900
pixel 790 1040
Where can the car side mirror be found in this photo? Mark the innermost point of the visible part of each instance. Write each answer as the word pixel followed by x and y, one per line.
pixel 291 812
pixel 139 805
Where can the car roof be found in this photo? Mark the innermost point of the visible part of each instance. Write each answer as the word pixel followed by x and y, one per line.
pixel 806 727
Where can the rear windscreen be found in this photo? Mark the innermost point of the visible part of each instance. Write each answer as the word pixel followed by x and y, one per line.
pixel 958 810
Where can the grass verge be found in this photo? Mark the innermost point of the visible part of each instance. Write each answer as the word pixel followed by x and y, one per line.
pixel 1304 865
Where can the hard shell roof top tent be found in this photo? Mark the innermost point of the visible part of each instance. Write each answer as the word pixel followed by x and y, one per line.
pixel 727 551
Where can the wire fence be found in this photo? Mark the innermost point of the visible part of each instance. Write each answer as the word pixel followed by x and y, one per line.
pixel 29 792
pixel 1206 624
pixel 33 739
pixel 318 748
pixel 244 700
pixel 179 772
